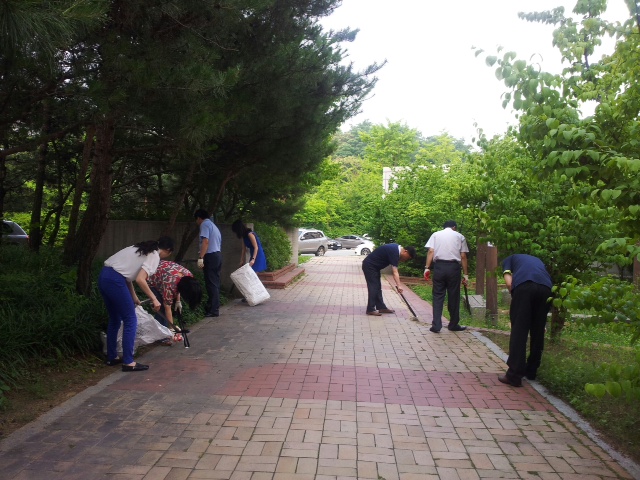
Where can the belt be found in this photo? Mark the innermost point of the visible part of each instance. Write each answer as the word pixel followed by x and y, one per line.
pixel 448 261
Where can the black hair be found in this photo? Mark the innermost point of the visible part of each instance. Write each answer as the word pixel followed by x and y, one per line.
pixel 145 248
pixel 450 224
pixel 191 290
pixel 166 243
pixel 201 213
pixel 411 251
pixel 240 229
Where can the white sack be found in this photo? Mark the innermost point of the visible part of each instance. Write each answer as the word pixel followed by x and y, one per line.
pixel 250 285
pixel 148 331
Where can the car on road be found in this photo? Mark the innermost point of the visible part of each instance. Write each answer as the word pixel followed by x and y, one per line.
pixel 13 234
pixel 351 241
pixel 365 248
pixel 312 241
pixel 334 244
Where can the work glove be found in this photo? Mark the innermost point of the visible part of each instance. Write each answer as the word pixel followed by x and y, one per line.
pixel 178 307
pixel 427 274
pixel 465 280
pixel 200 263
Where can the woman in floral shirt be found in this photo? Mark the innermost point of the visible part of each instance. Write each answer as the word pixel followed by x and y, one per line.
pixel 170 283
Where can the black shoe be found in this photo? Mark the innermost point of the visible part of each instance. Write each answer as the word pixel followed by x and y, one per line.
pixel 530 376
pixel 458 328
pixel 138 367
pixel 434 330
pixel 510 381
pixel 115 361
pixel 209 315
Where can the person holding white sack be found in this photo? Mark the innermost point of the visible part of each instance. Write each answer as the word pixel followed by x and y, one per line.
pixel 250 240
pixel 134 263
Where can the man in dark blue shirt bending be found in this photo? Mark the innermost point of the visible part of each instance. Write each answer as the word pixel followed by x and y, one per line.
pixel 381 257
pixel 530 285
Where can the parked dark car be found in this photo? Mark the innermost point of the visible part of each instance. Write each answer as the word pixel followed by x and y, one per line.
pixel 13 234
pixel 351 241
pixel 334 244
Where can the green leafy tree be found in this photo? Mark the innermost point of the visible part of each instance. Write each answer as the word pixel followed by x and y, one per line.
pixel 349 143
pixel 392 145
pixel 522 211
pixel 601 149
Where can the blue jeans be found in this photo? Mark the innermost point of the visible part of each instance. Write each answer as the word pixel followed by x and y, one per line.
pixel 117 298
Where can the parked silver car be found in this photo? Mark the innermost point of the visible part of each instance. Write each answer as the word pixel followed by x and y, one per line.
pixel 350 241
pixel 13 234
pixel 312 241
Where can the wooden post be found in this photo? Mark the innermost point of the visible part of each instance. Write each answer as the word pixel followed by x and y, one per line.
pixel 481 259
pixel 492 283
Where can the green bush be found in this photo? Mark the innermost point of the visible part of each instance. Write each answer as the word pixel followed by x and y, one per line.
pixel 41 315
pixel 276 244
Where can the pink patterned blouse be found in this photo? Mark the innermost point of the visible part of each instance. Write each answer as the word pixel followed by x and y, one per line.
pixel 166 279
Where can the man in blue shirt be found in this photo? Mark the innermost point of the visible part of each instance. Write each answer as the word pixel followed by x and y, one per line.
pixel 381 257
pixel 210 260
pixel 530 285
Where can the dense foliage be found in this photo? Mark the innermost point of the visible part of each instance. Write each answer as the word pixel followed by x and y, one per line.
pixel 41 314
pixel 276 245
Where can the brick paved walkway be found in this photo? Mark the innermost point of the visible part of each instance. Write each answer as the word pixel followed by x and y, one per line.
pixel 306 386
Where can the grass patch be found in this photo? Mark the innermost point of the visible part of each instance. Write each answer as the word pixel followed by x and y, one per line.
pixel 304 259
pixel 424 291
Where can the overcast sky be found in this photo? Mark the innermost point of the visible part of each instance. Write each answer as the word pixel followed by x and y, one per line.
pixel 432 80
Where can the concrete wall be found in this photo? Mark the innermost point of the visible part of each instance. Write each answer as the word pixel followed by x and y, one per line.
pixel 122 233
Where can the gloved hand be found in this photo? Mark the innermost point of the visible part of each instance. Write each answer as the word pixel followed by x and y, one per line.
pixel 427 274
pixel 200 263
pixel 178 307
pixel 465 280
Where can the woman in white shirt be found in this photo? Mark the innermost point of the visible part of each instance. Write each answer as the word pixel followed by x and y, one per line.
pixel 135 263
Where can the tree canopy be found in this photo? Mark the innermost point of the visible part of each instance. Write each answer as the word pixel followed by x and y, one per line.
pixel 149 110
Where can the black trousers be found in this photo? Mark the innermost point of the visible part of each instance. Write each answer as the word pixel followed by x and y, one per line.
pixel 374 287
pixel 161 319
pixel 528 315
pixel 446 281
pixel 212 268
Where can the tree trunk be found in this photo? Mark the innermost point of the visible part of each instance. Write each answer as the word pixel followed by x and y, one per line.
pixel 69 243
pixel 187 238
pixel 558 316
pixel 94 221
pixel 3 176
pixel 35 228
pixel 189 235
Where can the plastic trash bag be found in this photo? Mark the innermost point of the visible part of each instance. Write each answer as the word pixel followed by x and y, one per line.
pixel 250 285
pixel 148 331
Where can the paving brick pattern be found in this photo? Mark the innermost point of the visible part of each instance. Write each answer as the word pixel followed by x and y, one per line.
pixel 306 386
